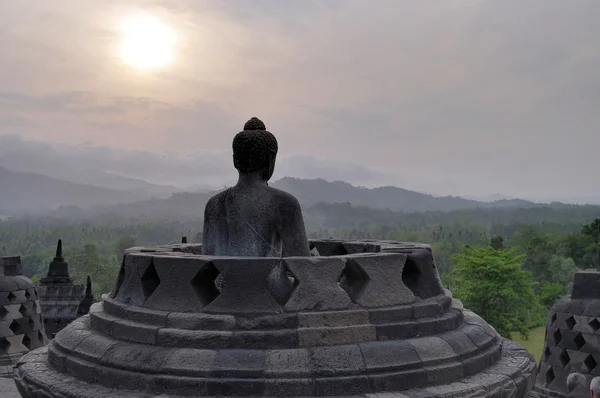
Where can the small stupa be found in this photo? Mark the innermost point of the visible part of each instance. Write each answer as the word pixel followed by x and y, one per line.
pixel 21 327
pixel 572 339
pixel 62 301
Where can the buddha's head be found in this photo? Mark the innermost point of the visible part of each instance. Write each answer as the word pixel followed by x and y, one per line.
pixel 255 150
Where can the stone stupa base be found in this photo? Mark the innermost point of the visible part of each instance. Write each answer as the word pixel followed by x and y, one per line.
pixel 512 376
pixel 370 319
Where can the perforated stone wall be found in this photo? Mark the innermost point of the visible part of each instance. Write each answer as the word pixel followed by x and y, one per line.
pixel 21 328
pixel 572 341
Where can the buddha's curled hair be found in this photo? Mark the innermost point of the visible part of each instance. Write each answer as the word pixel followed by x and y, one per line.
pixel 252 147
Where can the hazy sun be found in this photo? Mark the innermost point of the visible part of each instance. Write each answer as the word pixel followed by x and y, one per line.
pixel 146 42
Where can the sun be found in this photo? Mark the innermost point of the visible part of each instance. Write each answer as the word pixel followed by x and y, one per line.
pixel 147 43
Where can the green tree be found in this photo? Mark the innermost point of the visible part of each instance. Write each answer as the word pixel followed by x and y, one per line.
pixel 497 242
pixel 593 230
pixel 493 284
pixel 122 244
pixel 550 292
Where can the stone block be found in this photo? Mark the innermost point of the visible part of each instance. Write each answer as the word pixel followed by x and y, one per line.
pixel 142 358
pixel 189 362
pixel 336 360
pixel 384 286
pixel 238 363
pixel 168 337
pixel 177 286
pixel 432 349
pixel 461 344
pixel 586 285
pixel 244 286
pixel 195 321
pixel 131 290
pixel 289 388
pixel 266 322
pixel 136 332
pixel 390 356
pixel 259 339
pixel 397 381
pixel 386 315
pixel 348 386
pixel 395 331
pixel 313 337
pixel 287 363
pixel 316 286
pixel 333 318
pixel 239 387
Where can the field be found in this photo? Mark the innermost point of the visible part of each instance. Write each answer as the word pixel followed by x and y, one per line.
pixel 535 343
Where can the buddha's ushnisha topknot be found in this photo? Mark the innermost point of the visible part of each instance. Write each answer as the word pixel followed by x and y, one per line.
pixel 254 124
pixel 253 147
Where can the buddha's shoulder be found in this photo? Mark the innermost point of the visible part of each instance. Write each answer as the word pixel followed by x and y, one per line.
pixel 283 197
pixel 217 198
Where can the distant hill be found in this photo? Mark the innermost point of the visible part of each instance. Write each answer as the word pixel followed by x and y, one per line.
pixel 310 192
pixel 190 205
pixel 22 192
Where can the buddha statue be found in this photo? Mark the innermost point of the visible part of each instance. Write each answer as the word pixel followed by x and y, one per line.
pixel 252 219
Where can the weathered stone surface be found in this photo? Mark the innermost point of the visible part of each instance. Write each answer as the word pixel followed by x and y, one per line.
pixel 316 286
pixel 280 327
pixel 385 286
pixel 245 287
pixel 21 327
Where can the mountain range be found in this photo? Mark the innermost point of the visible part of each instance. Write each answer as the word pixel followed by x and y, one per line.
pixel 97 193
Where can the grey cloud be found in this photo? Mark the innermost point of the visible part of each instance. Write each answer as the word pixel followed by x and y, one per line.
pixel 460 96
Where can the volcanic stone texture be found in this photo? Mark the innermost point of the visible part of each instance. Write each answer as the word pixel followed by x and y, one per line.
pixel 572 338
pixel 343 325
pixel 21 328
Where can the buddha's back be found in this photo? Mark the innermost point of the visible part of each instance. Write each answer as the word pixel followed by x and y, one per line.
pixel 252 219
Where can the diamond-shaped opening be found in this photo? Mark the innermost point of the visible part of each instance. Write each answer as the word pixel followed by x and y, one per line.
pixel 4 344
pixel 553 319
pixel 11 297
pixel 281 283
pixel 23 310
pixel 150 280
pixel 353 280
pixel 564 358
pixel 594 324
pixel 15 327
pixel 41 337
pixel 579 341
pixel 557 337
pixel 204 284
pixel 26 341
pixel 3 312
pixel 549 375
pixel 27 295
pixel 590 363
pixel 547 353
pixel 571 322
pixel 31 323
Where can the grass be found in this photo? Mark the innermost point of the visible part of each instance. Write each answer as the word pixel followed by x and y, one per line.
pixel 535 343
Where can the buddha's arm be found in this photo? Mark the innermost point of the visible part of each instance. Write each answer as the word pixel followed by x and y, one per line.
pixel 209 235
pixel 293 233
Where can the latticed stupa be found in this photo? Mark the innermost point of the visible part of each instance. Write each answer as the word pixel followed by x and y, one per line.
pixel 572 339
pixel 21 327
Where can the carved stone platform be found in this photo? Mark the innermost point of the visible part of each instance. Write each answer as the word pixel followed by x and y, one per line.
pixel 364 318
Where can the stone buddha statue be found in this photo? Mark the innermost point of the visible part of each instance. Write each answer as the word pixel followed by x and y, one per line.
pixel 252 219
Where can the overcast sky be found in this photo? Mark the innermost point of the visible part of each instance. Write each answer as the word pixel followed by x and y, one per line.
pixel 452 97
